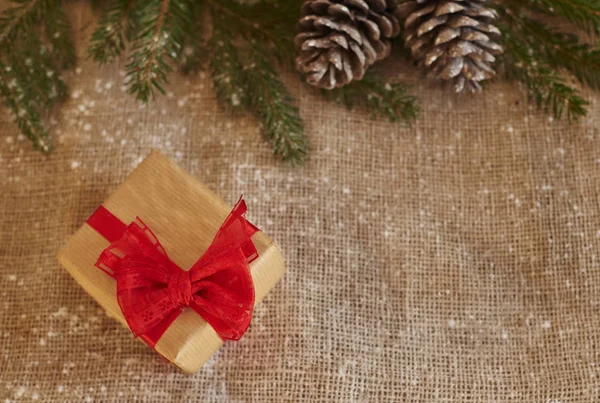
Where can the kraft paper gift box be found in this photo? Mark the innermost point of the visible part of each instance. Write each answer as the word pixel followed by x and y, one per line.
pixel 184 216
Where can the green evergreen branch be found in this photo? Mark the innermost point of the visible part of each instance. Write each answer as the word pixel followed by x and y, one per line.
pixel 243 75
pixel 58 35
pixel 546 86
pixel 21 18
pixel 161 31
pixel 194 47
pixel 265 22
pixel 227 74
pixel 24 111
pixel 583 13
pixel 245 78
pixel 270 100
pixel 36 73
pixel 382 99
pixel 34 46
pixel 116 27
pixel 558 50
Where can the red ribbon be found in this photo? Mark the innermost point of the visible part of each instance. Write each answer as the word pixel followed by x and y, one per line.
pixel 152 290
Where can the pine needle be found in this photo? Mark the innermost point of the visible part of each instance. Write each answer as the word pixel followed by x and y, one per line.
pixel 244 76
pixel 246 79
pixel 23 109
pixel 159 41
pixel 381 99
pixel 271 101
pixel 546 86
pixel 34 47
pixel 560 50
pixel 585 14
pixel 228 75
pixel 115 29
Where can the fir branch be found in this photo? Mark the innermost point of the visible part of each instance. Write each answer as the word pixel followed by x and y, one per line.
pixel 228 74
pixel 36 73
pixel 58 35
pixel 256 86
pixel 34 46
pixel 194 49
pixel 22 18
pixel 270 100
pixel 25 113
pixel 244 77
pixel 161 31
pixel 558 50
pixel 382 99
pixel 116 27
pixel 267 23
pixel 585 14
pixel 546 86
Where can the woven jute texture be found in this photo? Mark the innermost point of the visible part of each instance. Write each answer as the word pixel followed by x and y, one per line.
pixel 454 261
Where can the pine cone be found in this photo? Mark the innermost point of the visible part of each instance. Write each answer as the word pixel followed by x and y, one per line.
pixel 455 39
pixel 338 40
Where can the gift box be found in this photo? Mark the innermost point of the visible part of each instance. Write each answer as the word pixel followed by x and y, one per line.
pixel 168 258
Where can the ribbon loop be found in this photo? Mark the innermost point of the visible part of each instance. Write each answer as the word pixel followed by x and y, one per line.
pixel 152 290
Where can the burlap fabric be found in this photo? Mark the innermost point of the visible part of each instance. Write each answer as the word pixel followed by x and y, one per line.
pixel 454 261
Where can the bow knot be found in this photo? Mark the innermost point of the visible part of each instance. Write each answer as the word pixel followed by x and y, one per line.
pixel 152 290
pixel 180 289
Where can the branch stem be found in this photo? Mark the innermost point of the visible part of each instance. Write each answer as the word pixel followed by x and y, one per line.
pixel 160 22
pixel 16 19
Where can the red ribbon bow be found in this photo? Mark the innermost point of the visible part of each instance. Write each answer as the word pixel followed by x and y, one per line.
pixel 152 290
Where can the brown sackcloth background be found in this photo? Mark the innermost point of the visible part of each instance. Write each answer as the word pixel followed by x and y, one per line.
pixel 454 261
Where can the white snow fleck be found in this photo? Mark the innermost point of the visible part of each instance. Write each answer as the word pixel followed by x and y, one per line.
pixel 546 324
pixel 451 323
pixel 62 312
pixel 87 127
pixel 75 164
pixel 20 392
pixel 42 342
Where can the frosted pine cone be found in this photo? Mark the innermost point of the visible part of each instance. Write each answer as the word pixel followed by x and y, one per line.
pixel 338 40
pixel 454 39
